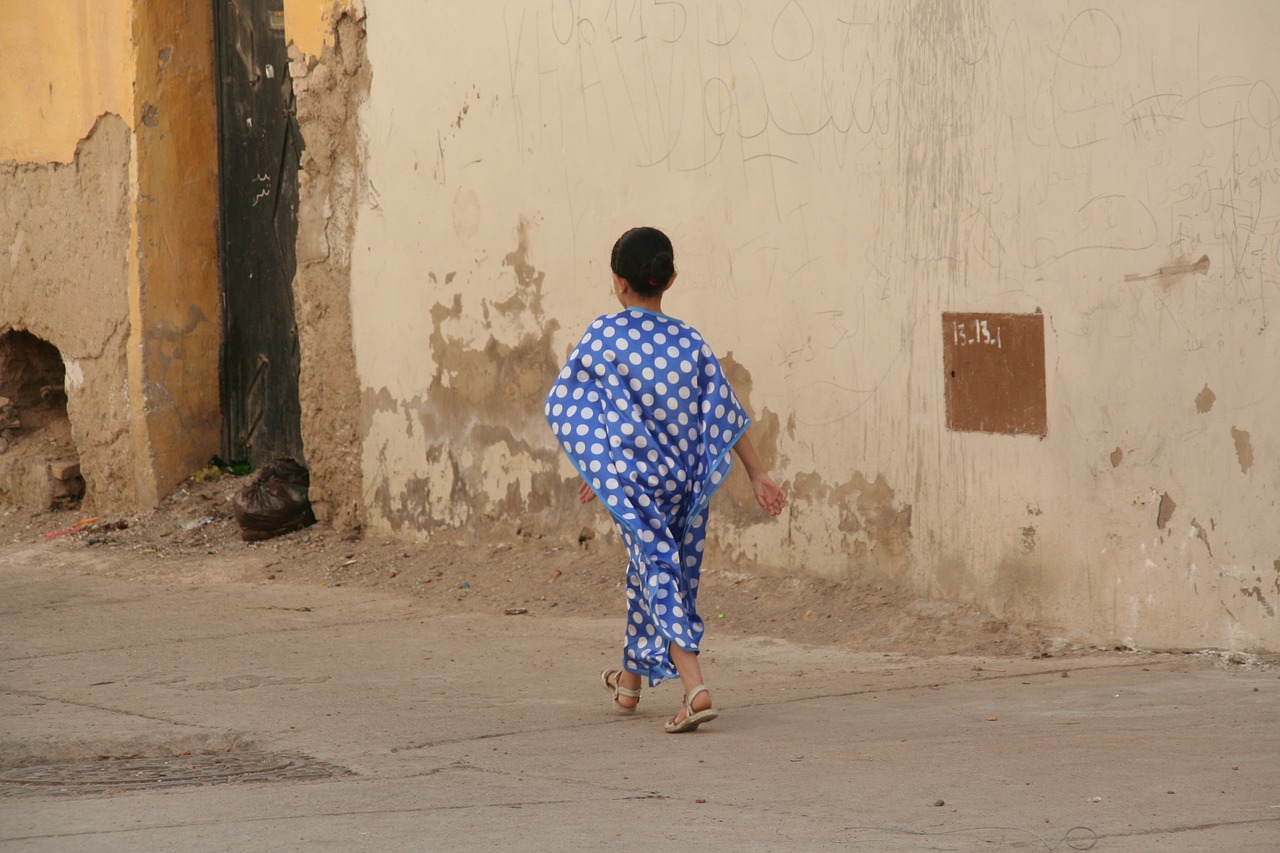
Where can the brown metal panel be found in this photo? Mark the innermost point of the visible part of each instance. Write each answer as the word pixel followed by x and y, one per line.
pixel 995 375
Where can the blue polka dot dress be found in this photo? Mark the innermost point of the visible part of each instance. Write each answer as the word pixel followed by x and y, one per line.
pixel 643 410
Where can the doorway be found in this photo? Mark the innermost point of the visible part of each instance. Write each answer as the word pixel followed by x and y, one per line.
pixel 259 150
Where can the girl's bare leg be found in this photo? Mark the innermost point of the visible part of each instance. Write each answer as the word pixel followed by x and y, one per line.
pixel 690 677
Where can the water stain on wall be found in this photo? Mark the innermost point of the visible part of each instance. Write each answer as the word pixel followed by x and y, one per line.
pixel 941 86
pixel 1028 539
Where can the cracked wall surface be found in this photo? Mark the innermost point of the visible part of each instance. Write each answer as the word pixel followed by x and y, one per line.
pixel 65 232
pixel 109 200
pixel 834 182
pixel 329 87
pixel 467 451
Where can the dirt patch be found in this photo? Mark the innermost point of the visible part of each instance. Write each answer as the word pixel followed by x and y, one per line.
pixel 193 538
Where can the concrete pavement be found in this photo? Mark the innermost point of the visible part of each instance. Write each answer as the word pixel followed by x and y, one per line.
pixel 489 732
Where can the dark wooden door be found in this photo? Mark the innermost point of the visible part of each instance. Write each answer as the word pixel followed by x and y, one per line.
pixel 259 150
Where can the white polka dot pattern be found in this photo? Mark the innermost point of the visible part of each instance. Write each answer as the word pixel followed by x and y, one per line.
pixel 643 410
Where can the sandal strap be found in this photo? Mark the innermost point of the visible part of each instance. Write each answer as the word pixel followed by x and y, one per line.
pixel 616 684
pixel 688 700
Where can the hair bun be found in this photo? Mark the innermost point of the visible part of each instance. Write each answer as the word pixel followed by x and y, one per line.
pixel 661 268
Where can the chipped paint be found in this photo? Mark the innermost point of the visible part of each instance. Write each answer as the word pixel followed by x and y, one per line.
pixel 1205 399
pixel 469 450
pixel 1198 532
pixel 310 23
pixel 1256 593
pixel 1165 512
pixel 1244 449
pixel 1196 267
pixel 864 531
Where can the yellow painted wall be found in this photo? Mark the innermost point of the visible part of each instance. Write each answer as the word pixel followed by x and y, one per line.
pixel 64 63
pixel 309 23
pixel 178 295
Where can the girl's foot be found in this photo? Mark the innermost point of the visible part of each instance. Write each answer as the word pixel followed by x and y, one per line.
pixel 625 687
pixel 694 711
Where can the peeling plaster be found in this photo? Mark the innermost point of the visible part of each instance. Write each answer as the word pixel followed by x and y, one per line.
pixel 1199 533
pixel 1244 449
pixel 863 526
pixel 1204 400
pixel 518 260
pixel 1256 592
pixel 479 439
pixel 870 527
pixel 67 229
pixel 1165 512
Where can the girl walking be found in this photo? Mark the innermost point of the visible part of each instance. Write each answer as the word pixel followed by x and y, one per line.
pixel 644 412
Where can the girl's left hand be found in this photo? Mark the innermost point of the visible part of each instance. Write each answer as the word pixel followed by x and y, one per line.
pixel 585 495
pixel 768 494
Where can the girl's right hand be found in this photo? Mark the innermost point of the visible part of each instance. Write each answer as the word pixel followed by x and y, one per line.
pixel 768 494
pixel 585 495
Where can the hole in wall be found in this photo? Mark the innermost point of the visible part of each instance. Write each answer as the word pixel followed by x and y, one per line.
pixel 39 462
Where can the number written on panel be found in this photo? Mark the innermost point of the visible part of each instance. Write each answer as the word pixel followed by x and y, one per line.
pixel 976 332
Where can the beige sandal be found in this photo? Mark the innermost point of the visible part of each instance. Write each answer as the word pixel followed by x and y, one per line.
pixel 692 719
pixel 615 687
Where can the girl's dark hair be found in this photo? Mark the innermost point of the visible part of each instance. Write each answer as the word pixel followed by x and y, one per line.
pixel 645 258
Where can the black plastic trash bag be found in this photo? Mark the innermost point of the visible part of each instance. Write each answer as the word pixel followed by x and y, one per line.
pixel 275 502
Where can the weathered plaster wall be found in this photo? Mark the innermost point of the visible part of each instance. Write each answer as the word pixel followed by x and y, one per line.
pixel 112 256
pixel 73 293
pixel 329 88
pixel 65 213
pixel 835 177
